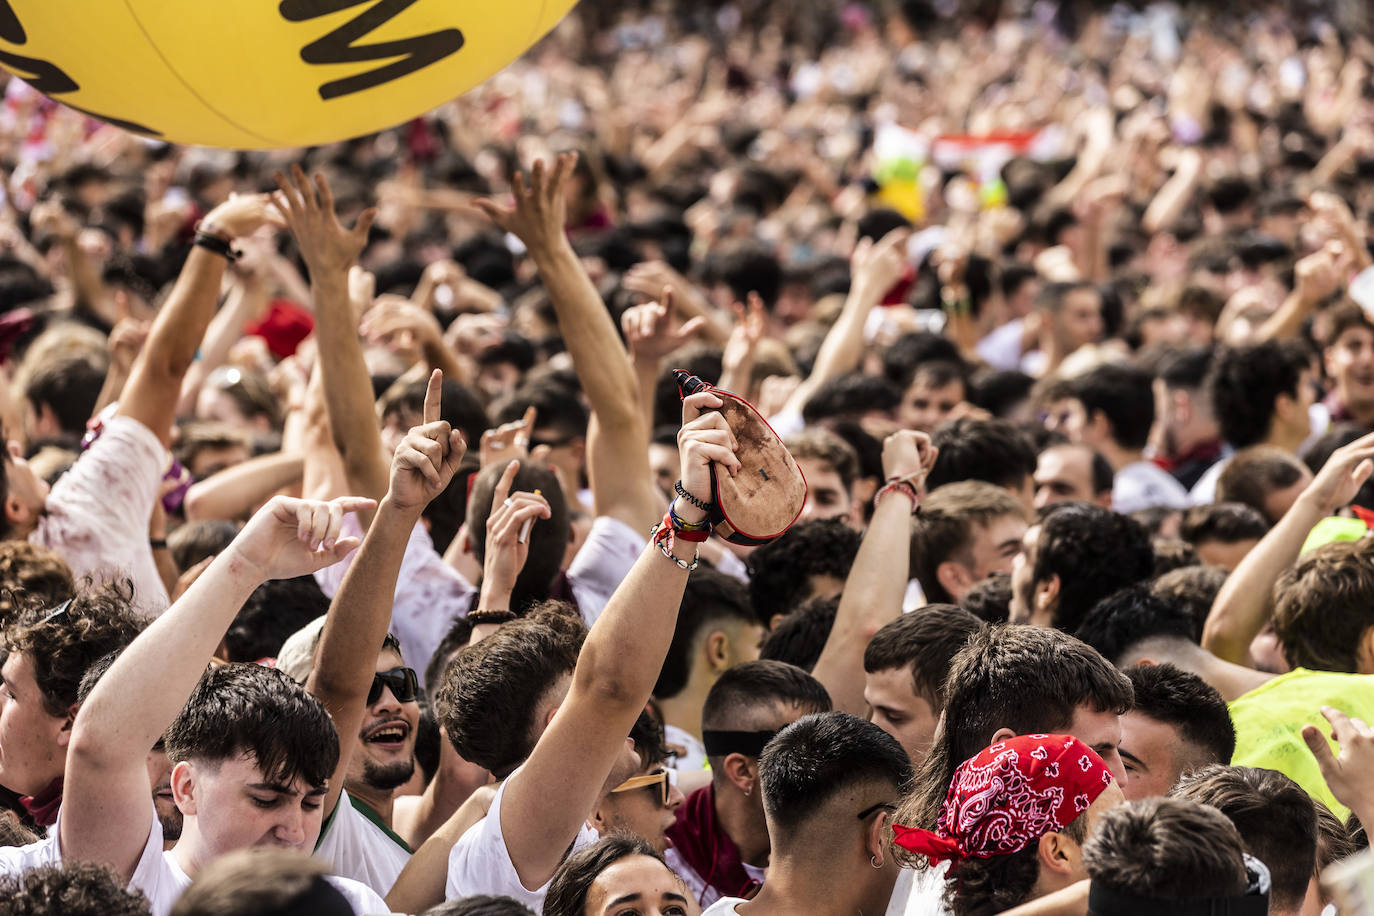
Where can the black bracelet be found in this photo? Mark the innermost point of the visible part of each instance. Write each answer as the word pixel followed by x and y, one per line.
pixel 216 244
pixel 682 491
pixel 490 616
pixel 157 543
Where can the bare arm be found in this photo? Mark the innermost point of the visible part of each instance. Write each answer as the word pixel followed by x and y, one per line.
pixel 1318 276
pixel 107 813
pixel 245 300
pixel 154 387
pixel 877 266
pixel 1172 199
pixel 877 581
pixel 618 454
pixel 329 251
pixel 548 799
pixel 421 883
pixel 360 613
pixel 1245 602
pixel 238 491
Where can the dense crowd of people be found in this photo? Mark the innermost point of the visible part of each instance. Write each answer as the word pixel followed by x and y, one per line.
pixel 360 552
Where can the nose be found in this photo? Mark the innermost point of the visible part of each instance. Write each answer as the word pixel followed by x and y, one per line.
pixel 387 701
pixel 675 797
pixel 290 829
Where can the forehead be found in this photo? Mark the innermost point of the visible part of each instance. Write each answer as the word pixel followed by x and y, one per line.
pixel 1095 727
pixel 819 473
pixel 1062 461
pixel 1355 335
pixel 923 383
pixel 389 658
pixel 1082 299
pixel 890 687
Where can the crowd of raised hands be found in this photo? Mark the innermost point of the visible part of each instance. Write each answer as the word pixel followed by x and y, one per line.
pixel 360 552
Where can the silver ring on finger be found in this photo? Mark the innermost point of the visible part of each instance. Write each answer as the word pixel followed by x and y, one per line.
pixel 521 441
pixel 508 502
pixel 497 446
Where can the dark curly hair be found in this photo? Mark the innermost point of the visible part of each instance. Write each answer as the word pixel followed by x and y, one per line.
pixel 63 642
pixel 780 571
pixel 1094 552
pixel 985 887
pixel 1244 382
pixel 31 575
pixel 990 450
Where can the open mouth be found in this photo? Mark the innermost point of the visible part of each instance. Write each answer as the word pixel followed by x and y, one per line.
pixel 389 735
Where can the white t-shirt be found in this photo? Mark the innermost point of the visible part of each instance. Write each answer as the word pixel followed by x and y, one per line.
pixel 725 906
pixel 161 879
pixel 602 563
pixel 1002 348
pixel 897 906
pixel 96 517
pixel 705 894
pixel 481 864
pixel 1145 485
pixel 356 844
pixel 927 895
pixel 15 860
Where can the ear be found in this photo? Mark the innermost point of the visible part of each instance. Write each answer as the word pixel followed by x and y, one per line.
pixel 1364 653
pixel 1058 854
pixel 1046 593
pixel 953 578
pixel 741 772
pixel 1002 734
pixel 1183 406
pixel 775 620
pixel 1284 407
pixel 1099 428
pixel 184 787
pixel 717 650
pixel 875 843
pixel 1145 663
pixel 65 734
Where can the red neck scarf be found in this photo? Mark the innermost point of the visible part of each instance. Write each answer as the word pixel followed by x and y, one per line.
pixel 1009 795
pixel 701 840
pixel 43 806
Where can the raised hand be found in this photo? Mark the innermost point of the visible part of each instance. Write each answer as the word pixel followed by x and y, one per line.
pixel 1349 775
pixel 908 455
pixel 705 437
pixel 508 546
pixel 327 246
pixel 540 210
pixel 509 440
pixel 295 537
pixel 1319 274
pixel 1342 476
pixel 242 215
pixel 650 332
pixel 737 361
pixel 402 325
pixel 877 266
pixel 427 457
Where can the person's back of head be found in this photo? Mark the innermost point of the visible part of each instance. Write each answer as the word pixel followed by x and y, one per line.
pixel 800 637
pixel 1083 554
pixel 31 575
pixel 1245 383
pixel 943 536
pixel 1223 533
pixel 1265 478
pixel 1030 680
pixel 907 663
pixel 70 889
pixel 1193 588
pixel 548 537
pixel 1165 850
pixel 273 612
pixel 262 882
pixel 1324 608
pixel 1276 819
pixel 1123 396
pixel 1119 623
pixel 243 710
pixel 1202 733
pixel 716 626
pixel 989 450
pixel 812 558
pixel 816 770
pixel 494 691
pixel 62 391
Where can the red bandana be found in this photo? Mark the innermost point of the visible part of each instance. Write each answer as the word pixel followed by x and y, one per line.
pixel 1010 795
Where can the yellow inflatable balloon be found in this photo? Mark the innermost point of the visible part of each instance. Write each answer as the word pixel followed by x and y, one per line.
pixel 258 74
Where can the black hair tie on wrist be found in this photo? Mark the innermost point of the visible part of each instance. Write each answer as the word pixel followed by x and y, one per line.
pixel 682 491
pixel 219 246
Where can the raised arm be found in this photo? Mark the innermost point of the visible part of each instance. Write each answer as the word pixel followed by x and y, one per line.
pixel 878 579
pixel 106 811
pixel 1246 601
pixel 238 491
pixel 329 251
pixel 618 444
pixel 150 396
pixel 652 333
pixel 547 800
pixel 360 613
pixel 876 267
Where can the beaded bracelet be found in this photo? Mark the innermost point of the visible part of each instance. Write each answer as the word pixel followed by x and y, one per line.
pixel 900 486
pixel 492 615
pixel 662 536
pixel 682 491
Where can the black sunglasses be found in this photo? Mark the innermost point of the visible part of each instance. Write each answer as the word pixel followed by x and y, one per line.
pixel 402 682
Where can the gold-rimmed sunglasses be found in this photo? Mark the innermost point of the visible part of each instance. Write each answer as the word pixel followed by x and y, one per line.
pixel 662 777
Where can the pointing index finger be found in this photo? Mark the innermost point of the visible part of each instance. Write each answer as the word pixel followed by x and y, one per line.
pixel 433 396
pixel 503 485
